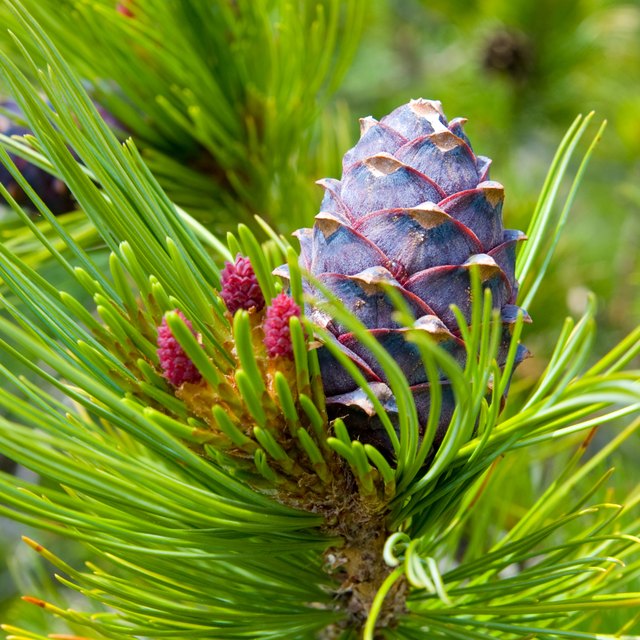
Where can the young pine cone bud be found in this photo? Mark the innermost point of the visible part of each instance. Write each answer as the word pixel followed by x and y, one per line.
pixel 277 336
pixel 124 8
pixel 176 366
pixel 240 288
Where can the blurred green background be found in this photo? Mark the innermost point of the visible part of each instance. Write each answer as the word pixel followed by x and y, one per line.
pixel 520 72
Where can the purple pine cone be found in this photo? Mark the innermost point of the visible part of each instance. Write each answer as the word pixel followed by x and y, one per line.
pixel 415 210
pixel 53 191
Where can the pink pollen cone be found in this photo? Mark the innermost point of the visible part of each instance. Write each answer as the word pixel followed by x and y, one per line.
pixel 177 367
pixel 277 337
pixel 240 288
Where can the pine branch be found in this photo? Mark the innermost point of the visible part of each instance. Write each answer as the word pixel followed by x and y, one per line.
pixel 226 503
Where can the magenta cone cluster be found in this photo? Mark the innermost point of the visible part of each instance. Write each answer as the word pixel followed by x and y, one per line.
pixel 240 290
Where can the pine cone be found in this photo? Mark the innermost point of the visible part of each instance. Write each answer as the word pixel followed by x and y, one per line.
pixel 415 210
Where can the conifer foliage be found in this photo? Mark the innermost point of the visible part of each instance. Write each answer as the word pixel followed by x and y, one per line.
pixel 210 89
pixel 179 423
